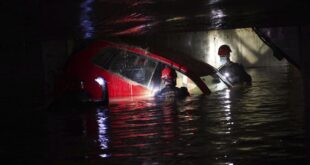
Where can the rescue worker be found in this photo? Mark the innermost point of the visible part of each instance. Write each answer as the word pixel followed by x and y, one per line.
pixel 233 72
pixel 168 76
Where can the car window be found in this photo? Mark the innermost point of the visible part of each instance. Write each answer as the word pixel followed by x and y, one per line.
pixel 155 83
pixel 133 66
pixel 104 58
pixel 182 81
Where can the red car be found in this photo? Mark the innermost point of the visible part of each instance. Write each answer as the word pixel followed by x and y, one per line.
pixel 106 71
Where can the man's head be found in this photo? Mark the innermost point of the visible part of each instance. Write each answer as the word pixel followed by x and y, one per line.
pixel 224 53
pixel 169 75
pixel 224 50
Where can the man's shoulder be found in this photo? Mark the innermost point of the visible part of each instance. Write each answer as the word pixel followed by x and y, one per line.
pixel 183 91
pixel 230 65
pixel 236 65
pixel 165 90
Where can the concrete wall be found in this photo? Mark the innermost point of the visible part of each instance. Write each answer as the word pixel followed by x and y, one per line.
pixel 247 47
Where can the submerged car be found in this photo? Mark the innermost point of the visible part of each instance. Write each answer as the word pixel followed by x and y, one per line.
pixel 107 71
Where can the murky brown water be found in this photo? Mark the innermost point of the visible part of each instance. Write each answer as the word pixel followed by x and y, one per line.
pixel 261 124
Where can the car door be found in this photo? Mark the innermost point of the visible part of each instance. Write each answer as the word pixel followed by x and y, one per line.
pixel 127 73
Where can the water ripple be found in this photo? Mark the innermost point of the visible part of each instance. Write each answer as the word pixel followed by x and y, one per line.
pixel 239 126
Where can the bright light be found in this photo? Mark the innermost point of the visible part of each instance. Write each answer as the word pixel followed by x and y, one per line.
pixel 176 19
pixel 103 131
pixel 227 93
pixel 104 155
pixel 226 74
pixel 227 108
pixel 217 13
pixel 154 91
pixel 100 81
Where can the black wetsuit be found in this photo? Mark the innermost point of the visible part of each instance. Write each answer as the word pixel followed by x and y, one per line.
pixel 170 91
pixel 236 73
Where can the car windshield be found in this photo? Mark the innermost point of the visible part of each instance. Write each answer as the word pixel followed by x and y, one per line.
pixel 130 65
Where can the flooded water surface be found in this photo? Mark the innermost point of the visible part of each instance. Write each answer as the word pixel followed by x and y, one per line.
pixel 261 124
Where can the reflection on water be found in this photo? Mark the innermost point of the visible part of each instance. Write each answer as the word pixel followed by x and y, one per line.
pixel 261 124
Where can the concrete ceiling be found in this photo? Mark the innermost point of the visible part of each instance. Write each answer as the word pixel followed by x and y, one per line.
pixel 45 19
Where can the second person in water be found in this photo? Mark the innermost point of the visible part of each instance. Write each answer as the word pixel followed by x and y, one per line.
pixel 233 72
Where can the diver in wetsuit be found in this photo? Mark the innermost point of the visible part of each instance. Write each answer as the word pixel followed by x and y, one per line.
pixel 233 72
pixel 170 90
